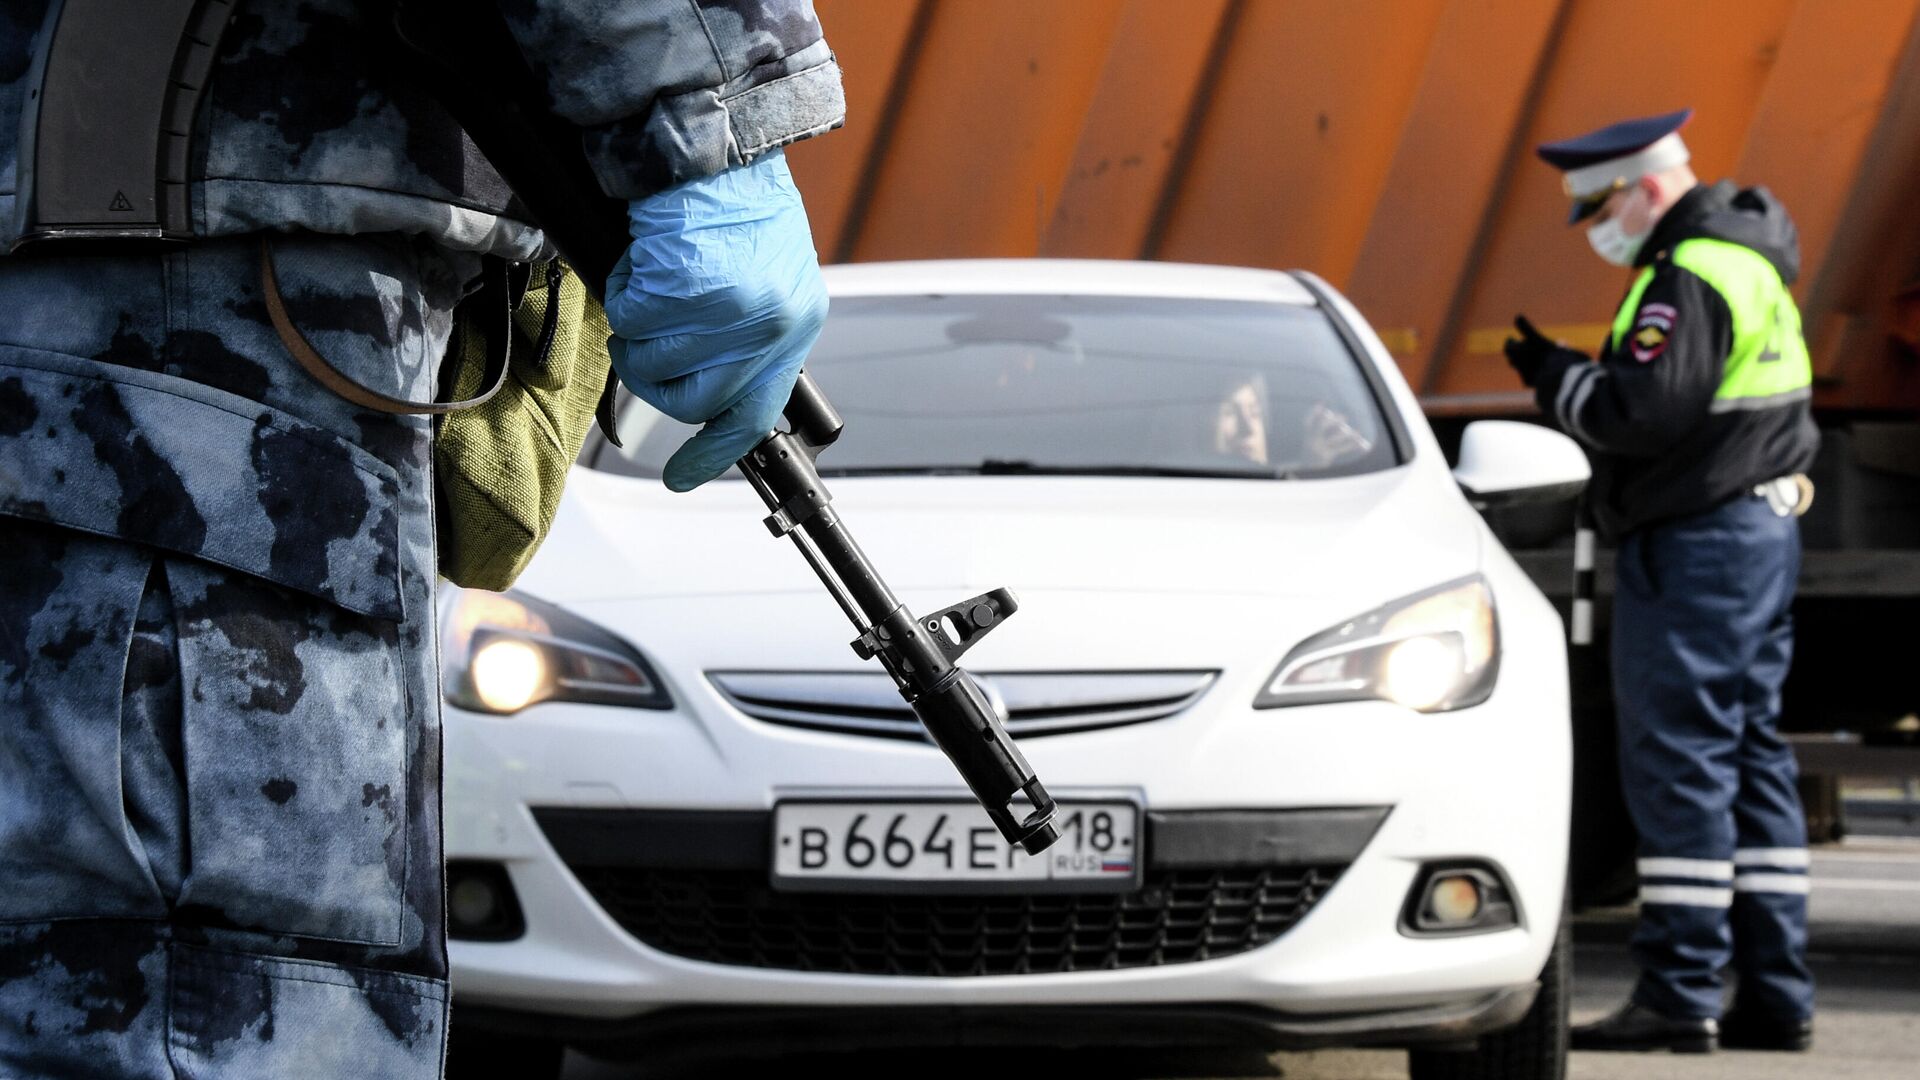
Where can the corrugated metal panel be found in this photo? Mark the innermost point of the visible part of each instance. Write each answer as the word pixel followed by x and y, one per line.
pixel 1385 144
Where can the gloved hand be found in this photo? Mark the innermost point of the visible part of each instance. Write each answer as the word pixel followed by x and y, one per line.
pixel 1530 350
pixel 714 307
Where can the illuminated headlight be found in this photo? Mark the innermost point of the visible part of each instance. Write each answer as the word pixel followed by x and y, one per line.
pixel 501 652
pixel 1431 652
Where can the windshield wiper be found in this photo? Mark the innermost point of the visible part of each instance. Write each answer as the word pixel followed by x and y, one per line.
pixel 902 470
pixel 1022 467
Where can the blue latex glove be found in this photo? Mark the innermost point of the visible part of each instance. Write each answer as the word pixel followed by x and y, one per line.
pixel 714 308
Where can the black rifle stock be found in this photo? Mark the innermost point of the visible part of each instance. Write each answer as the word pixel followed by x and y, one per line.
pixel 476 69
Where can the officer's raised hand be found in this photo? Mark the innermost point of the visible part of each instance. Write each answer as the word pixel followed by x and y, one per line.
pixel 714 308
pixel 1528 352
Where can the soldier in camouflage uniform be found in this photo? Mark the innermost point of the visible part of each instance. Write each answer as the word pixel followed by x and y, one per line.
pixel 219 704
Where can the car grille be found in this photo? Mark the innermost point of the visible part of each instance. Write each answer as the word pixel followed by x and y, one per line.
pixel 1030 704
pixel 1178 916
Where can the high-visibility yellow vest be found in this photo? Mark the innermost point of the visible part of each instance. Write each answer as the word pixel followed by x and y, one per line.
pixel 1768 365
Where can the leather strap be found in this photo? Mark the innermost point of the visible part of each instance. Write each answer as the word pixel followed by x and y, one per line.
pixel 605 413
pixel 335 380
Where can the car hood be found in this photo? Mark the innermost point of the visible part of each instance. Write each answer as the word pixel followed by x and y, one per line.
pixel 1376 536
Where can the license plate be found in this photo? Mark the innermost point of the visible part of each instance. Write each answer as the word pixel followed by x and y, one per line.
pixel 950 847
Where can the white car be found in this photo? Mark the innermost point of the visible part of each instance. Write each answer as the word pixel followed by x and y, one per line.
pixel 1306 720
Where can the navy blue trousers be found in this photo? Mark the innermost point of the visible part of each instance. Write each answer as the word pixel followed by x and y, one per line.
pixel 1702 639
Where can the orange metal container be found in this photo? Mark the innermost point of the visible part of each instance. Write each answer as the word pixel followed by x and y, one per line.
pixel 1387 145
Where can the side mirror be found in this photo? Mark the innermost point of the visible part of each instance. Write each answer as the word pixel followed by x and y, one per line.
pixel 1507 463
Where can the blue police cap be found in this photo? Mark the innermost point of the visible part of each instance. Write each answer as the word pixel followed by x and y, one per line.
pixel 1601 162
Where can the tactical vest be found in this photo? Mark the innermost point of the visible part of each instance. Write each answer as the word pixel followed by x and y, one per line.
pixel 1768 364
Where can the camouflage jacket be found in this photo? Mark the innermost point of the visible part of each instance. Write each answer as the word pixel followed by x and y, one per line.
pixel 305 126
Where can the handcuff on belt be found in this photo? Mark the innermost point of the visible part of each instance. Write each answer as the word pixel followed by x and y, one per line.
pixel 1787 495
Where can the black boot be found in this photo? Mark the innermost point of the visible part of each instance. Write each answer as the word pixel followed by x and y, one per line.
pixel 1751 1029
pixel 1635 1027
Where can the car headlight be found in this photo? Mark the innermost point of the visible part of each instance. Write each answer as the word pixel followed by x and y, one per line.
pixel 1432 651
pixel 501 652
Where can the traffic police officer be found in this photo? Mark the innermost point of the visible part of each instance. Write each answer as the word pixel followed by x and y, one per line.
pixel 1697 419
pixel 219 704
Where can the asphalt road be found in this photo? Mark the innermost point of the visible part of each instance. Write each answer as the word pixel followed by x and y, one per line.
pixel 1866 955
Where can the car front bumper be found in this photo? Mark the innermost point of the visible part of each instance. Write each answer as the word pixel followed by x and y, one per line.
pixel 1488 784
pixel 663 1034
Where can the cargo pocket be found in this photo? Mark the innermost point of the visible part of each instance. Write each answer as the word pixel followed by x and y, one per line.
pixel 283 561
pixel 186 468
pixel 294 729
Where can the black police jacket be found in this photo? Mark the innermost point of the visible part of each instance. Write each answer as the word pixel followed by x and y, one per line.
pixel 1704 388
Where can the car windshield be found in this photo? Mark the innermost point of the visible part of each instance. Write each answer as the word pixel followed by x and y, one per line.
pixel 1051 385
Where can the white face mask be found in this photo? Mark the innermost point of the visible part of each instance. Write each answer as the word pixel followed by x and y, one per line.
pixel 1612 243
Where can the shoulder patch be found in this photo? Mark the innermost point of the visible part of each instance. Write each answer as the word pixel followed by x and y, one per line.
pixel 1652 328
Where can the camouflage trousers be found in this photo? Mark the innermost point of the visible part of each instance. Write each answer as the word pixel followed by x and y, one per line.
pixel 219 711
